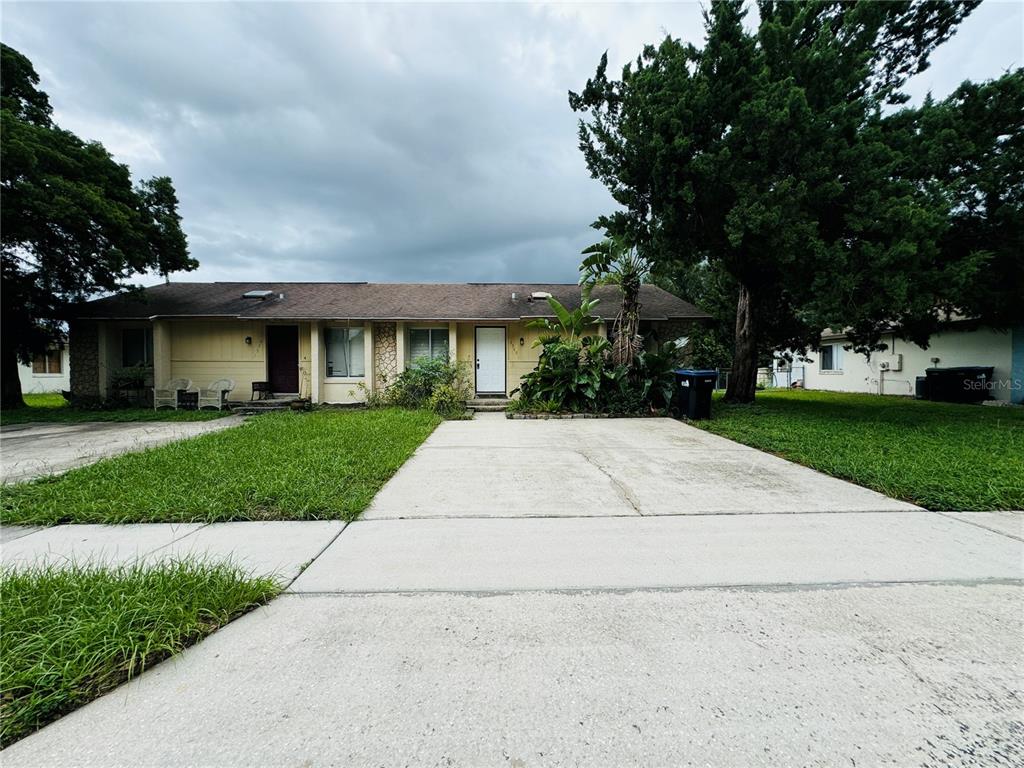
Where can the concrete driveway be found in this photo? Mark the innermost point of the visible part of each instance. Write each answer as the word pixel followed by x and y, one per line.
pixel 496 467
pixel 605 593
pixel 28 451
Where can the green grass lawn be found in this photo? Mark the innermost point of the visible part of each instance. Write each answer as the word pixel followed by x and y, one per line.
pixel 71 634
pixel 938 455
pixel 279 466
pixel 52 407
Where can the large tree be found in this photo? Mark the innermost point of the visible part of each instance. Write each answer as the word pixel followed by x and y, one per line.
pixel 971 147
pixel 72 224
pixel 768 156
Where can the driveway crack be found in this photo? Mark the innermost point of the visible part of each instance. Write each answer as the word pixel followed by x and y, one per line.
pixel 622 489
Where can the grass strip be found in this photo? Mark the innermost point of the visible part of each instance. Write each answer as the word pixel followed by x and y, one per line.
pixel 942 456
pixel 321 465
pixel 74 632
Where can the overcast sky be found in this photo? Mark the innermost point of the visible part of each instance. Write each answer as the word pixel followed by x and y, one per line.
pixel 392 142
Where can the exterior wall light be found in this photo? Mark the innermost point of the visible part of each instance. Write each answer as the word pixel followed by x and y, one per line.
pixel 522 342
pixel 248 339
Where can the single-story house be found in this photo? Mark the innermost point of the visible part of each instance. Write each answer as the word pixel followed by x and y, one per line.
pixel 321 340
pixel 48 371
pixel 894 370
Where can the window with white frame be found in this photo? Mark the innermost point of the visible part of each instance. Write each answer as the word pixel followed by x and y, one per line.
pixel 345 352
pixel 431 343
pixel 47 363
pixel 830 358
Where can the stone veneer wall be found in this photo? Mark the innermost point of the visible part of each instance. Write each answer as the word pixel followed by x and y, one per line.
pixel 385 354
pixel 84 353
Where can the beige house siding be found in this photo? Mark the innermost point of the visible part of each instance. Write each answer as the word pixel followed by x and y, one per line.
pixel 206 350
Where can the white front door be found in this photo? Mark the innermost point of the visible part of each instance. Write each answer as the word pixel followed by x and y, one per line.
pixel 490 360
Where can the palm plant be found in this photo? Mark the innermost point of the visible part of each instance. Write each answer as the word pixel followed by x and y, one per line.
pixel 613 261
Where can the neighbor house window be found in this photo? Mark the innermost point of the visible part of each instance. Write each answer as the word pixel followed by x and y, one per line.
pixel 831 358
pixel 48 362
pixel 136 346
pixel 428 342
pixel 345 352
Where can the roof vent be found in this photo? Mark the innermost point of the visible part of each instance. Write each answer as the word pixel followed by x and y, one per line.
pixel 540 295
pixel 257 295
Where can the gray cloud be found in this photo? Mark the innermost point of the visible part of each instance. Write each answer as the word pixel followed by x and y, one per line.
pixel 374 142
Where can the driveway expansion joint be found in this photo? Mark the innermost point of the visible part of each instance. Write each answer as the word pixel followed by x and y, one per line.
pixel 725 587
pixel 959 517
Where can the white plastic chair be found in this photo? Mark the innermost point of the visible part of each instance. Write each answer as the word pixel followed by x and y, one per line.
pixel 167 396
pixel 215 395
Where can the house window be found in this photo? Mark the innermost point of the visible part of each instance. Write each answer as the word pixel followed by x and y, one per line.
pixel 345 352
pixel 136 346
pixel 47 362
pixel 831 358
pixel 431 343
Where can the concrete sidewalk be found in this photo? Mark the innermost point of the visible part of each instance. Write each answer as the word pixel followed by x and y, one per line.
pixel 35 450
pixel 473 555
pixel 896 675
pixel 281 549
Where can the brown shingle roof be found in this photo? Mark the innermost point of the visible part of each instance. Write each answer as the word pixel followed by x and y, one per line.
pixel 372 301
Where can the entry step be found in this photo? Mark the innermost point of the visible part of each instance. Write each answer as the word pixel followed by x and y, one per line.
pixel 488 404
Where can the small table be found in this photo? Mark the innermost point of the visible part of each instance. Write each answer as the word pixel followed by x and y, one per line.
pixel 187 401
pixel 261 388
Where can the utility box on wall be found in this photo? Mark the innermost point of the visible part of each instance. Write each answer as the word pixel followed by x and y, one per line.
pixel 891 363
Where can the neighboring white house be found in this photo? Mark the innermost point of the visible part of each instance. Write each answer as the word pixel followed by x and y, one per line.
pixel 895 370
pixel 48 372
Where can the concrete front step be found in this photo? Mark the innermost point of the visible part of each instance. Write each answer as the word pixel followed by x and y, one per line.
pixel 248 410
pixel 488 404
pixel 262 406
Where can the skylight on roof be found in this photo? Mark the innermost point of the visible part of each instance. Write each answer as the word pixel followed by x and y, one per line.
pixel 257 294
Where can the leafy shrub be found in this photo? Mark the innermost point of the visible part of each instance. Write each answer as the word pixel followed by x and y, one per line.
pixel 654 373
pixel 436 385
pixel 131 377
pixel 448 400
pixel 575 371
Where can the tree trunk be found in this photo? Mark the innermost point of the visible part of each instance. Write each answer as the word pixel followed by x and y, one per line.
pixel 627 343
pixel 10 382
pixel 743 377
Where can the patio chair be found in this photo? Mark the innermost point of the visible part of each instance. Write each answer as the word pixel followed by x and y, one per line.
pixel 167 396
pixel 215 395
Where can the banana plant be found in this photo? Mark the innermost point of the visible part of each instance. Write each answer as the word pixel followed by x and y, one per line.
pixel 570 326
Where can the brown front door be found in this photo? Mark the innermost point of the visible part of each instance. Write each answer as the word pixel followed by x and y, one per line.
pixel 283 358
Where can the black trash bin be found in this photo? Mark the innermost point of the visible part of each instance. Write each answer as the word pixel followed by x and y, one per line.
pixel 692 397
pixel 921 388
pixel 962 384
